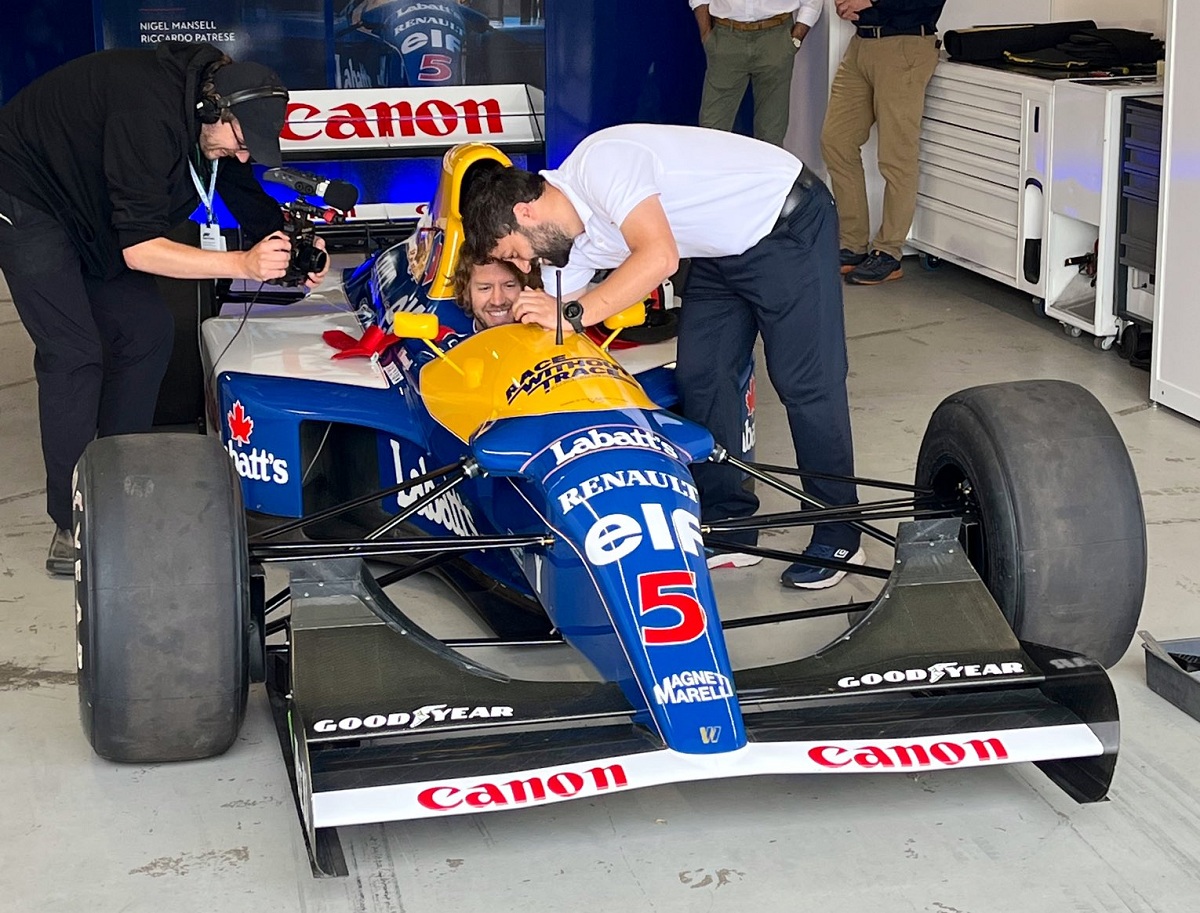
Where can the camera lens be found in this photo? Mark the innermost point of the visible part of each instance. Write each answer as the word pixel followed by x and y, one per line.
pixel 308 259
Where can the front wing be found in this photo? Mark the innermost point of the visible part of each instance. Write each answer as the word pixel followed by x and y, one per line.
pixel 385 722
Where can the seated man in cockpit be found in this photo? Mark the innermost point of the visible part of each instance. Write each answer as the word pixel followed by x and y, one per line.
pixel 487 291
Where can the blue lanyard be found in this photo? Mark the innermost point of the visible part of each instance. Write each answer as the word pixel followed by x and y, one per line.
pixel 206 198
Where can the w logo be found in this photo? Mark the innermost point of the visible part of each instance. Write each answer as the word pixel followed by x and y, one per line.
pixel 709 734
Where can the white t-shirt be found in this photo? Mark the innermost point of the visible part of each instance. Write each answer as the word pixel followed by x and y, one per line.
pixel 722 192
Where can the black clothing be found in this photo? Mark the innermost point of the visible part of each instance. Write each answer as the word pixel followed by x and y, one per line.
pixel 102 345
pixel 102 144
pixel 901 14
pixel 786 289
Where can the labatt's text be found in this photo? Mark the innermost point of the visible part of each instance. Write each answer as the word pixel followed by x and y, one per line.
pixel 602 440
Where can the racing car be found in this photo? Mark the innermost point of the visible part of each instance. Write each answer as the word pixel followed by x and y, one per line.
pixel 548 483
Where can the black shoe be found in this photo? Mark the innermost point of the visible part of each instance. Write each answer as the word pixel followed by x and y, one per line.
pixel 810 577
pixel 849 259
pixel 60 560
pixel 878 267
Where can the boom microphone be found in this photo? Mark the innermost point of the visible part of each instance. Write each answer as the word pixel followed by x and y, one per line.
pixel 338 194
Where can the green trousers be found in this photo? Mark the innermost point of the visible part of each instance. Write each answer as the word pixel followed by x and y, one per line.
pixel 762 59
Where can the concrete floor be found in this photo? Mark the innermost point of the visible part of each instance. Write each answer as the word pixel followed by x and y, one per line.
pixel 221 836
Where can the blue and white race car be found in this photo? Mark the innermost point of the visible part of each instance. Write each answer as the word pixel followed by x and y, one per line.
pixel 548 483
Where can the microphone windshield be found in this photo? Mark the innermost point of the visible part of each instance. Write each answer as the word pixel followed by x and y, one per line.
pixel 341 195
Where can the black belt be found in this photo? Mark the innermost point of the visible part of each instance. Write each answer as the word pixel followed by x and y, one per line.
pixel 883 31
pixel 804 182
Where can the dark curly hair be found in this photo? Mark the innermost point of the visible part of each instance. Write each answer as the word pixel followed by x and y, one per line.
pixel 466 266
pixel 488 209
pixel 209 90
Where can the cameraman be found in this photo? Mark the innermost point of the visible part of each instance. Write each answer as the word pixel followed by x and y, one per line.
pixel 99 160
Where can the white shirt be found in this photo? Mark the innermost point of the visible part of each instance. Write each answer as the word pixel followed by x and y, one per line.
pixel 722 192
pixel 806 11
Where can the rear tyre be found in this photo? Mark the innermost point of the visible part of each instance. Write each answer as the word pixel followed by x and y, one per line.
pixel 162 597
pixel 1060 540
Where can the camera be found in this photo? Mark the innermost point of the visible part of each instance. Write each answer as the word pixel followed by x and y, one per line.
pixel 300 218
pixel 306 257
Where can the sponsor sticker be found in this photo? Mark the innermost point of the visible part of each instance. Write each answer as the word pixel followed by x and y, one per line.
pixel 551 372
pixel 693 688
pixel 449 511
pixel 430 713
pixel 597 439
pixel 932 675
pixel 625 478
pixel 567 783
pixel 258 464
pixel 616 535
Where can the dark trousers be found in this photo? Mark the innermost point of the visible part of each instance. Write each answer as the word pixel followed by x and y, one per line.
pixel 787 289
pixel 101 346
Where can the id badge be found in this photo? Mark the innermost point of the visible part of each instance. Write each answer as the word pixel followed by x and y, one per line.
pixel 211 238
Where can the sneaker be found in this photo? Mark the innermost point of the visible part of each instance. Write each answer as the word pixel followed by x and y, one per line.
pixel 722 560
pixel 849 259
pixel 877 268
pixel 60 560
pixel 808 577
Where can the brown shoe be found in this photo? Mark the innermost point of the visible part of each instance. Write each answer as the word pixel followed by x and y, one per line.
pixel 60 560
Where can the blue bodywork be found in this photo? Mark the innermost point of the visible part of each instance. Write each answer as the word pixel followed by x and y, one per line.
pixel 625 580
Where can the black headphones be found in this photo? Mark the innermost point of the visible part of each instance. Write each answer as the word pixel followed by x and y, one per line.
pixel 210 108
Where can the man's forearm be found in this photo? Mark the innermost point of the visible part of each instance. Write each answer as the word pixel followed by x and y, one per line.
pixel 161 257
pixel 628 284
pixel 703 19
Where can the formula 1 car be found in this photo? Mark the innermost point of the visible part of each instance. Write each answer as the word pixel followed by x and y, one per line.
pixel 426 37
pixel 548 484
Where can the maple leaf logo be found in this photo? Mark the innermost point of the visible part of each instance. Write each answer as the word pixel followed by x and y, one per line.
pixel 751 396
pixel 240 425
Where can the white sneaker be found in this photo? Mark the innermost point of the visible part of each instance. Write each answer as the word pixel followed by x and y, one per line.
pixel 721 560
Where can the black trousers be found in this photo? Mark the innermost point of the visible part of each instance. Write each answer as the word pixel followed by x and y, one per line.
pixel 101 346
pixel 787 289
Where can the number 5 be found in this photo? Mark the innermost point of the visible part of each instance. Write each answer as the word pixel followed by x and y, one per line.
pixel 660 590
pixel 435 68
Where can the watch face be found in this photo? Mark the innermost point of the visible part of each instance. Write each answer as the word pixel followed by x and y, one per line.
pixel 572 310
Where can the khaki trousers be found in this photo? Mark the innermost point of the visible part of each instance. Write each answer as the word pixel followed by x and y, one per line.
pixel 763 59
pixel 879 81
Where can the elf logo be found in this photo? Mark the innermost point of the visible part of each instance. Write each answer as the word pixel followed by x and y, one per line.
pixel 259 465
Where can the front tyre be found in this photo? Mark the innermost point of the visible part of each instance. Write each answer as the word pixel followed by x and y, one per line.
pixel 162 597
pixel 1060 537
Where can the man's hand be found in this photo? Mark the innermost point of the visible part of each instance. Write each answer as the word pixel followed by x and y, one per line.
pixel 849 9
pixel 800 30
pixel 315 279
pixel 268 259
pixel 704 21
pixel 534 306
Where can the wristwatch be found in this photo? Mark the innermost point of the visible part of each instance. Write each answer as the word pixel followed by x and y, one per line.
pixel 573 314
pixel 796 42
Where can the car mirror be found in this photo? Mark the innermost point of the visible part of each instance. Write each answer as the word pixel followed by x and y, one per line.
pixel 415 326
pixel 632 316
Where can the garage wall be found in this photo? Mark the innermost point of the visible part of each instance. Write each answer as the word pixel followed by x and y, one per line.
pixel 1146 15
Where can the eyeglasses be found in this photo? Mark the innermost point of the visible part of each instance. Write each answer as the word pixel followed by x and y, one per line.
pixel 241 143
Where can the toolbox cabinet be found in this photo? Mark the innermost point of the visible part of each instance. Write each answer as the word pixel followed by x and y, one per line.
pixel 1020 180
pixel 983 166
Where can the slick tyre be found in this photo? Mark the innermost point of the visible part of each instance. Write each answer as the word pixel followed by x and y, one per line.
pixel 162 597
pixel 1060 540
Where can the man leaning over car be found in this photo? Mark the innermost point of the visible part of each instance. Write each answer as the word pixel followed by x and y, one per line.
pixel 761 230
pixel 99 160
